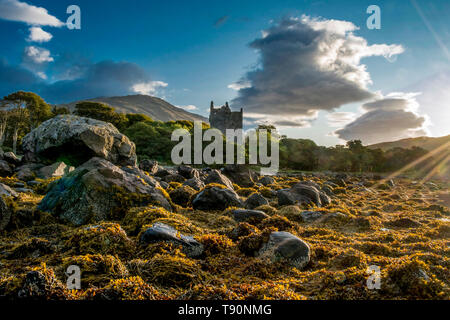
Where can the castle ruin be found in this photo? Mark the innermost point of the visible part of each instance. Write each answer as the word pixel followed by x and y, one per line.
pixel 223 118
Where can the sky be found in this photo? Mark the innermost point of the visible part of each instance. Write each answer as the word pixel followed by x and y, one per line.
pixel 312 68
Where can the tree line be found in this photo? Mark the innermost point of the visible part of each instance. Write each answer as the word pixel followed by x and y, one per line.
pixel 153 141
pixel 21 111
pixel 304 154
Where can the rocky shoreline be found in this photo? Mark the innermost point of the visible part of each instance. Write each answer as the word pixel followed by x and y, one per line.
pixel 143 231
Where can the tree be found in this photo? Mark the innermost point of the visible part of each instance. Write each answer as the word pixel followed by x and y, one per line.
pixel 360 157
pixel 38 109
pixel 101 111
pixel 268 127
pixel 378 160
pixel 133 118
pixel 340 159
pixel 397 158
pixel 153 139
pixel 355 145
pixel 22 111
pixel 299 154
pixel 4 116
pixel 20 121
pixel 60 110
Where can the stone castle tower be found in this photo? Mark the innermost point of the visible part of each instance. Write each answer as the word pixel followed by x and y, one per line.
pixel 223 118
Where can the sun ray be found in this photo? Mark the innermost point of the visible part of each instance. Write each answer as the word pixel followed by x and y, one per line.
pixel 445 146
pixel 436 169
pixel 427 167
pixel 430 28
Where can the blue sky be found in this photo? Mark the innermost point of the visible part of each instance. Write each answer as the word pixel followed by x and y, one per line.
pixel 195 49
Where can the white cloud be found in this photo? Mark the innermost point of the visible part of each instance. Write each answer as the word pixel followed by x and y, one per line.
pixel 14 10
pixel 39 35
pixel 41 75
pixel 239 85
pixel 280 121
pixel 149 87
pixel 308 65
pixel 390 118
pixel 339 119
pixel 37 55
pixel 395 101
pixel 189 107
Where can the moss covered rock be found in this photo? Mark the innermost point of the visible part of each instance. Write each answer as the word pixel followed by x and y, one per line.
pixel 216 198
pixel 99 190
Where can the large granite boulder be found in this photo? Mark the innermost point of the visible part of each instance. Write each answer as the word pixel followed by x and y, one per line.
pixel 240 175
pixel 98 190
pixel 188 172
pixel 151 166
pixel 79 139
pixel 286 247
pixel 250 216
pixel 216 177
pixel 216 198
pixel 302 193
pixel 194 183
pixel 255 200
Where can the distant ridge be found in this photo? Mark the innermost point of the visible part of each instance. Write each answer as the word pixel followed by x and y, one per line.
pixel 427 143
pixel 156 108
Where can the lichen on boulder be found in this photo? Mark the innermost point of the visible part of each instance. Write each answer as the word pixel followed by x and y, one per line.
pixel 99 190
pixel 62 135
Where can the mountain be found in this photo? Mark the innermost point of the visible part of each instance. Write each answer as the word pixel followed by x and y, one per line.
pixel 154 107
pixel 427 143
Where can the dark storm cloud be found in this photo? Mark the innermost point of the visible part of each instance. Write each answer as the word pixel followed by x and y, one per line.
pixel 13 78
pixel 106 78
pixel 15 75
pixel 78 81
